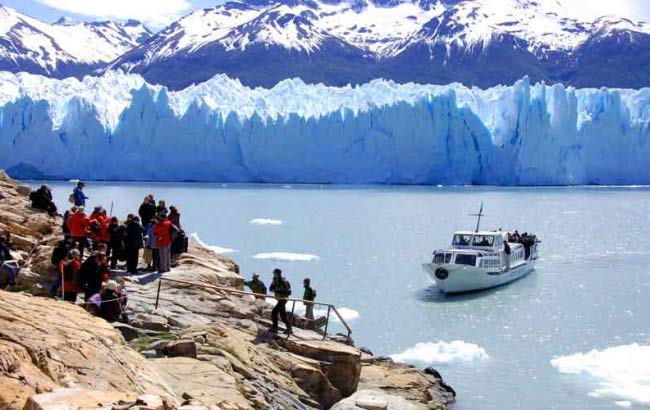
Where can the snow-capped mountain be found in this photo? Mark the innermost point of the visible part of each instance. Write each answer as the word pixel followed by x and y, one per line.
pixel 65 48
pixel 478 42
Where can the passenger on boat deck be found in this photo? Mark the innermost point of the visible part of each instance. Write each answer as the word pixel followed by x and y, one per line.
pixel 515 237
pixel 506 255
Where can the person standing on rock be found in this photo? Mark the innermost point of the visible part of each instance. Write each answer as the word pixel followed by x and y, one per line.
pixel 116 241
pixel 79 196
pixel 69 270
pixel 256 286
pixel 78 224
pixel 133 241
pixel 91 274
pixel 309 296
pixel 162 230
pixel 282 290
pixel 147 209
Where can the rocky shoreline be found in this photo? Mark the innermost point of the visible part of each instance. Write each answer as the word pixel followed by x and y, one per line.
pixel 202 348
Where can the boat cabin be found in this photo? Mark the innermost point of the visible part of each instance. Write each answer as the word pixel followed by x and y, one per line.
pixel 482 249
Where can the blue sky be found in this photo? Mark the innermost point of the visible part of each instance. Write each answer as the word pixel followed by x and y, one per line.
pixel 158 13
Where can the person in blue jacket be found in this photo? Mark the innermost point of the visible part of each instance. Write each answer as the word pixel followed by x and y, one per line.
pixel 79 196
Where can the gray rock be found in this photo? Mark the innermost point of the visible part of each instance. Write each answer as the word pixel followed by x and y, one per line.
pixel 152 322
pixel 181 348
pixel 128 332
pixel 149 354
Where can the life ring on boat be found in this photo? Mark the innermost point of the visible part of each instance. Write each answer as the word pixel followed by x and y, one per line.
pixel 442 273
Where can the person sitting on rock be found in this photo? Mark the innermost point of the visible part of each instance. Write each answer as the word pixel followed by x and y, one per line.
pixel 91 274
pixel 256 286
pixel 282 290
pixel 309 296
pixel 69 271
pixel 111 308
pixel 42 200
pixel 9 265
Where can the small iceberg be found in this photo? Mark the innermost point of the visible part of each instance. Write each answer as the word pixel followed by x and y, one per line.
pixel 265 221
pixel 217 249
pixel 621 372
pixel 456 352
pixel 286 257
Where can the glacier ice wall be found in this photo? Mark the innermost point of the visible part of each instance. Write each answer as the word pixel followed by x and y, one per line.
pixel 118 127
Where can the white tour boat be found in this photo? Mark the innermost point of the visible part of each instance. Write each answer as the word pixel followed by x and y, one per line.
pixel 477 260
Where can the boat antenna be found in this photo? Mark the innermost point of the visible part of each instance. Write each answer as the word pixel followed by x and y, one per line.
pixel 479 215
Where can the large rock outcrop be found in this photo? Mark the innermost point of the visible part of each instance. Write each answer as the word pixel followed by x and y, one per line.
pixel 47 344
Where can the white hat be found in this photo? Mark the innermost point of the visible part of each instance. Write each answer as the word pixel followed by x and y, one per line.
pixel 110 285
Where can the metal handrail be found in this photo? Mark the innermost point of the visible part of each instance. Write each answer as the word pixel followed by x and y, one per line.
pixel 329 306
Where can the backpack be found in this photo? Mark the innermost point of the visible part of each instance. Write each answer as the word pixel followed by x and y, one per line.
pixel 173 232
pixel 71 198
pixel 68 272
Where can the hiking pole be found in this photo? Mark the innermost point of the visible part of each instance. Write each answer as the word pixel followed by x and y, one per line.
pixel 111 214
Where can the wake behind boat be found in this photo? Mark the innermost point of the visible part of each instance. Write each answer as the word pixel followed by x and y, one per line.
pixel 482 259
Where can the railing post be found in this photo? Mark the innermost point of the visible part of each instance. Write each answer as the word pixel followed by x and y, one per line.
pixel 293 317
pixel 158 293
pixel 328 321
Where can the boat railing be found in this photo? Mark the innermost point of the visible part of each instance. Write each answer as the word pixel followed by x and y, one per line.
pixel 490 262
pixel 331 309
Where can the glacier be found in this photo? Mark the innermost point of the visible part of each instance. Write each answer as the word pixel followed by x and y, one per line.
pixel 118 127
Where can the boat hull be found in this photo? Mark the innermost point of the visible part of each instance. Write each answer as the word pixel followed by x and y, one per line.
pixel 462 278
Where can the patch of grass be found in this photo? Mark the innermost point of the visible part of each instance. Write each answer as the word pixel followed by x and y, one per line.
pixel 141 343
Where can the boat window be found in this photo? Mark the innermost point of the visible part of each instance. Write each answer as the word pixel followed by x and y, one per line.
pixel 462 240
pixel 462 259
pixel 442 257
pixel 483 240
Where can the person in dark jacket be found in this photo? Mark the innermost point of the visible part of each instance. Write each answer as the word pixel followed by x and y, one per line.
pixel 147 209
pixel 42 199
pixel 133 242
pixel 79 196
pixel 111 307
pixel 309 296
pixel 116 242
pixel 6 258
pixel 256 286
pixel 66 215
pixel 91 273
pixel 282 290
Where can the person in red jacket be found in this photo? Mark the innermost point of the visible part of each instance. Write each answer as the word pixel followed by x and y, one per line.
pixel 78 224
pixel 69 271
pixel 162 231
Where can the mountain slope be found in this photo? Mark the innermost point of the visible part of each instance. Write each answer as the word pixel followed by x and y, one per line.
pixel 477 42
pixel 65 48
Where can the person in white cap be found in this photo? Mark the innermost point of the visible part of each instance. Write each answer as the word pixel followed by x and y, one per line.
pixel 111 308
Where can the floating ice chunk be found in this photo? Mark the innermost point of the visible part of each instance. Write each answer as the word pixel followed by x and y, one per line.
pixel 621 372
pixel 623 403
pixel 265 221
pixel 286 257
pixel 217 249
pixel 442 353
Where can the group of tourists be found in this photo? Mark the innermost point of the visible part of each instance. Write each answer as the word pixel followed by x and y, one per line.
pixel 93 246
pixel 281 287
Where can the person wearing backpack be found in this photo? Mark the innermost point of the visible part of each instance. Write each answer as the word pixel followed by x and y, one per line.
pixel 78 197
pixel 69 271
pixel 163 232
pixel 309 296
pixel 282 290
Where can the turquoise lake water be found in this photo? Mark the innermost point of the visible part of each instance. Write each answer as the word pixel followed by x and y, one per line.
pixel 365 245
